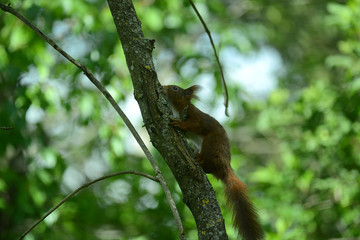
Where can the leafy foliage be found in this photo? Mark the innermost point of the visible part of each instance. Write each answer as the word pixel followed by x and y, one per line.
pixel 297 147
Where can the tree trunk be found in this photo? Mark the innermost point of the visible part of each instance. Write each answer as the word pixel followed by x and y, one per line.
pixel 198 193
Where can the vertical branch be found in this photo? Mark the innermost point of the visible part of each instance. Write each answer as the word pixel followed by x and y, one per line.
pixel 223 82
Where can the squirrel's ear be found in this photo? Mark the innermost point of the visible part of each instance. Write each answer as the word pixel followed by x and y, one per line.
pixel 191 91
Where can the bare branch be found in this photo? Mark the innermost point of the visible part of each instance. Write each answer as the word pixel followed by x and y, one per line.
pixel 223 82
pixel 6 128
pixel 81 188
pixel 127 122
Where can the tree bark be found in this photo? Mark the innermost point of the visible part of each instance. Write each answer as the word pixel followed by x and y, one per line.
pixel 198 193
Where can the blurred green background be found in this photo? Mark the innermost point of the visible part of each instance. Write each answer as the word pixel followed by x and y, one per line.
pixel 293 73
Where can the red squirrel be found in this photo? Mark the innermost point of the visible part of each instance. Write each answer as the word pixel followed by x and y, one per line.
pixel 214 157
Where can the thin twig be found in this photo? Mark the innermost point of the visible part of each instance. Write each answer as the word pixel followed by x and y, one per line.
pixel 127 122
pixel 6 128
pixel 81 188
pixel 223 82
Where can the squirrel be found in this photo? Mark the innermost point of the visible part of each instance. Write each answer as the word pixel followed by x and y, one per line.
pixel 214 156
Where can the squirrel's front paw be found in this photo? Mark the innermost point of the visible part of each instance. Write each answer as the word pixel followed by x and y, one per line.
pixel 175 122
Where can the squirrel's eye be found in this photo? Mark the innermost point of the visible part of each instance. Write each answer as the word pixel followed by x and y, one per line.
pixel 175 88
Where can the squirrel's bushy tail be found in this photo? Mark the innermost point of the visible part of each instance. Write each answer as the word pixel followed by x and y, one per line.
pixel 246 219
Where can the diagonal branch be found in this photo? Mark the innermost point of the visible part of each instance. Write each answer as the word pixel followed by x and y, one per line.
pixel 223 82
pixel 6 128
pixel 81 188
pixel 127 122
